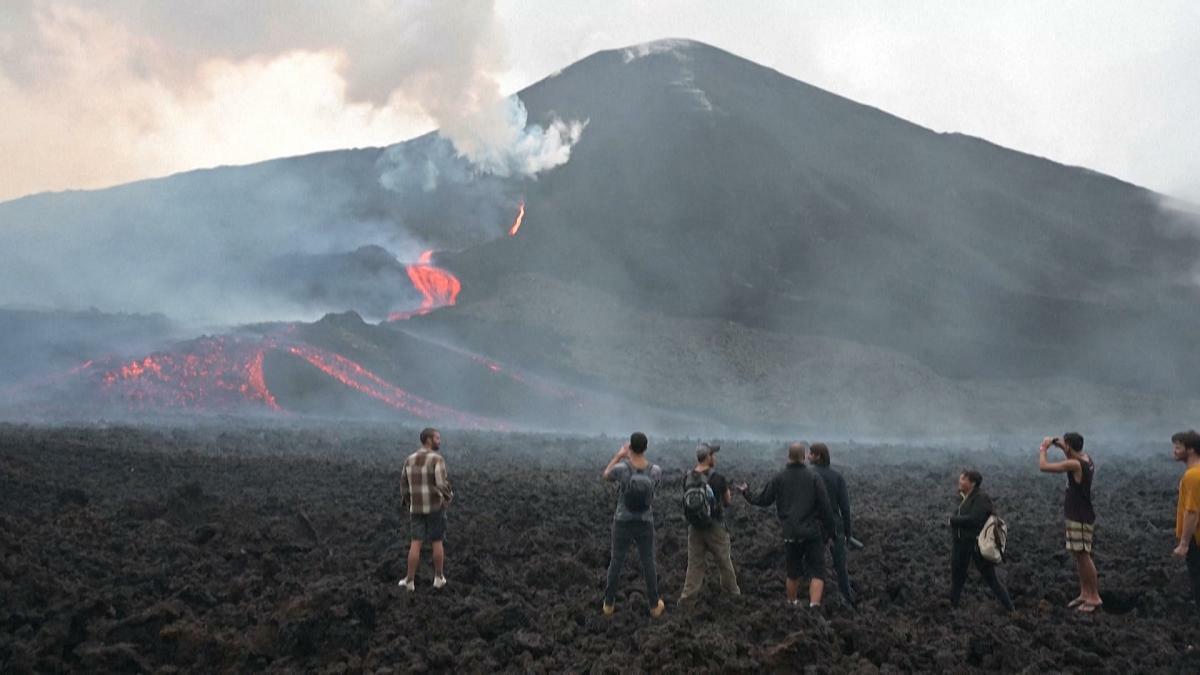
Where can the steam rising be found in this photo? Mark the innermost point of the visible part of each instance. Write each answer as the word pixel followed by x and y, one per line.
pixel 231 82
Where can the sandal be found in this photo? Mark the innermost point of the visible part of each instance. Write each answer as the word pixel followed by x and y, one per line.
pixel 1088 608
pixel 1074 603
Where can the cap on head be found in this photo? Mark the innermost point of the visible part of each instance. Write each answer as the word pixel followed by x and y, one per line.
pixel 706 450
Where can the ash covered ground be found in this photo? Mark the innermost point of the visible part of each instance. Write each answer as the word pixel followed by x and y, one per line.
pixel 210 550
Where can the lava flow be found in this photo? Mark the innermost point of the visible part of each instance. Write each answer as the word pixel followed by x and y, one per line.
pixel 512 231
pixel 354 376
pixel 223 374
pixel 213 373
pixel 437 286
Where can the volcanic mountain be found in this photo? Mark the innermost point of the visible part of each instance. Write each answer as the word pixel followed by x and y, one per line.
pixel 725 242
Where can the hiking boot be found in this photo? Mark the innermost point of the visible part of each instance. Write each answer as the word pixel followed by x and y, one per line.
pixel 609 609
pixel 658 609
pixel 439 582
pixel 408 585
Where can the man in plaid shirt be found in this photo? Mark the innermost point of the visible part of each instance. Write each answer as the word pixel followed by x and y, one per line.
pixel 425 489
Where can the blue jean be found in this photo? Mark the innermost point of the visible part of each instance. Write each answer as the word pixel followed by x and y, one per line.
pixel 624 533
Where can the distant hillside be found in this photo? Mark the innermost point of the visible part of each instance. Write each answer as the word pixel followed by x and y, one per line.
pixel 726 244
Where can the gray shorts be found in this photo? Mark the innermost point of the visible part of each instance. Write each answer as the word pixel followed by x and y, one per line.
pixel 428 526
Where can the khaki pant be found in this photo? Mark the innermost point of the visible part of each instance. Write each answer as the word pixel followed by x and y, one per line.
pixel 701 542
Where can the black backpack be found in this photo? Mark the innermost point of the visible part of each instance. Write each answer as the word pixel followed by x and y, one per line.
pixel 639 492
pixel 699 502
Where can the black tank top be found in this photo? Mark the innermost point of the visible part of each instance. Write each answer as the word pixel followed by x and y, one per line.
pixel 1078 503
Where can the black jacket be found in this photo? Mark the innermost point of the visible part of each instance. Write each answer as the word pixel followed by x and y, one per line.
pixel 839 496
pixel 801 503
pixel 971 516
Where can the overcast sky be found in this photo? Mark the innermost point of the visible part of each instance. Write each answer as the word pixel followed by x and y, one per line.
pixel 101 92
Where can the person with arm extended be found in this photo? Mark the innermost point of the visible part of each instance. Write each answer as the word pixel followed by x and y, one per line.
pixel 1080 516
pixel 633 520
pixel 802 506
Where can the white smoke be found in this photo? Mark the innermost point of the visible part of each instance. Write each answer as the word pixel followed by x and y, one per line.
pixel 498 141
pixel 106 92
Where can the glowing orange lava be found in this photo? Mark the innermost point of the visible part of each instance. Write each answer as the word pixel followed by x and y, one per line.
pixel 512 231
pixel 438 287
pixel 354 376
pixel 209 373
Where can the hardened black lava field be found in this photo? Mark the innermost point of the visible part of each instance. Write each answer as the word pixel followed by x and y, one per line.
pixel 202 550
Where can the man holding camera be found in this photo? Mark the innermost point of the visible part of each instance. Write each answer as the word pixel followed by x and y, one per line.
pixel 1081 517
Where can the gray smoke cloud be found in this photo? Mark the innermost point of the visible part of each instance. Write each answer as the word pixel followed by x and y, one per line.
pixel 136 87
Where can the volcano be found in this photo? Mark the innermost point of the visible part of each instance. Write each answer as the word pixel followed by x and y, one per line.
pixel 726 243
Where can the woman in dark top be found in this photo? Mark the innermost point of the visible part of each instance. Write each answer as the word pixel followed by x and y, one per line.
pixel 967 521
pixel 1080 516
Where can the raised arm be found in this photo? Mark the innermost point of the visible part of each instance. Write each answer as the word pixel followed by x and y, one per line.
pixel 622 453
pixel 1046 466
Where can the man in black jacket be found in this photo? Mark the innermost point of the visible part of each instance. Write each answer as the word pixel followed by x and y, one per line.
pixel 839 501
pixel 802 506
pixel 966 523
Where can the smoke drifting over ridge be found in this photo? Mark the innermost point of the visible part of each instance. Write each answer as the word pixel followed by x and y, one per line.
pixel 314 74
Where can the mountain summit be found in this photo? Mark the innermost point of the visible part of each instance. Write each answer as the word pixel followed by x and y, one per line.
pixel 725 241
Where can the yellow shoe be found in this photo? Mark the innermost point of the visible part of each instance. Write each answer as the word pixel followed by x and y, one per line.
pixel 609 609
pixel 658 609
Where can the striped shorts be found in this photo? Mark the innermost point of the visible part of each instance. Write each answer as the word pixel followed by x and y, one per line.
pixel 1079 536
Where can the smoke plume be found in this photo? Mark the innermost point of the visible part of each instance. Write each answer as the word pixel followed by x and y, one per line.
pixel 103 93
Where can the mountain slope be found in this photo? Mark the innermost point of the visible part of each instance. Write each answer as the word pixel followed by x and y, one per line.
pixel 725 242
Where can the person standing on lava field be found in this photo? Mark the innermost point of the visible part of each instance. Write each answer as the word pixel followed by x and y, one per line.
pixel 633 521
pixel 1081 517
pixel 802 506
pixel 966 523
pixel 839 501
pixel 425 489
pixel 707 532
pixel 1186 447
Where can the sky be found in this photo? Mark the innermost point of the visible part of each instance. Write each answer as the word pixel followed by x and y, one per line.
pixel 102 92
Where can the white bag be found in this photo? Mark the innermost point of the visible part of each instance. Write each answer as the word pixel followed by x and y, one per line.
pixel 993 539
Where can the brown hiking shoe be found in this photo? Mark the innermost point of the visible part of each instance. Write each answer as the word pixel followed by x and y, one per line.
pixel 658 609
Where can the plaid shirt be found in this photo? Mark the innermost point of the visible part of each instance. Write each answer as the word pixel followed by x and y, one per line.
pixel 424 485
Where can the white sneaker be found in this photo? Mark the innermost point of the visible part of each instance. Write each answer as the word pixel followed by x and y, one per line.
pixel 409 586
pixel 439 582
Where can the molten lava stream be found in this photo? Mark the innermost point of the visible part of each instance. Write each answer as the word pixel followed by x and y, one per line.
pixel 438 287
pixel 512 231
pixel 356 377
pixel 214 373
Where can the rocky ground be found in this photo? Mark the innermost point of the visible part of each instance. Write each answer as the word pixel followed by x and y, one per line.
pixel 166 550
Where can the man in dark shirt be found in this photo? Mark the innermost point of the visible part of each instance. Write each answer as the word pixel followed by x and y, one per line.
pixel 802 506
pixel 715 537
pixel 839 501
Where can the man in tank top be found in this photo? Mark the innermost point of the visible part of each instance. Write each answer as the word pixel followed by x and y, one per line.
pixel 1080 516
